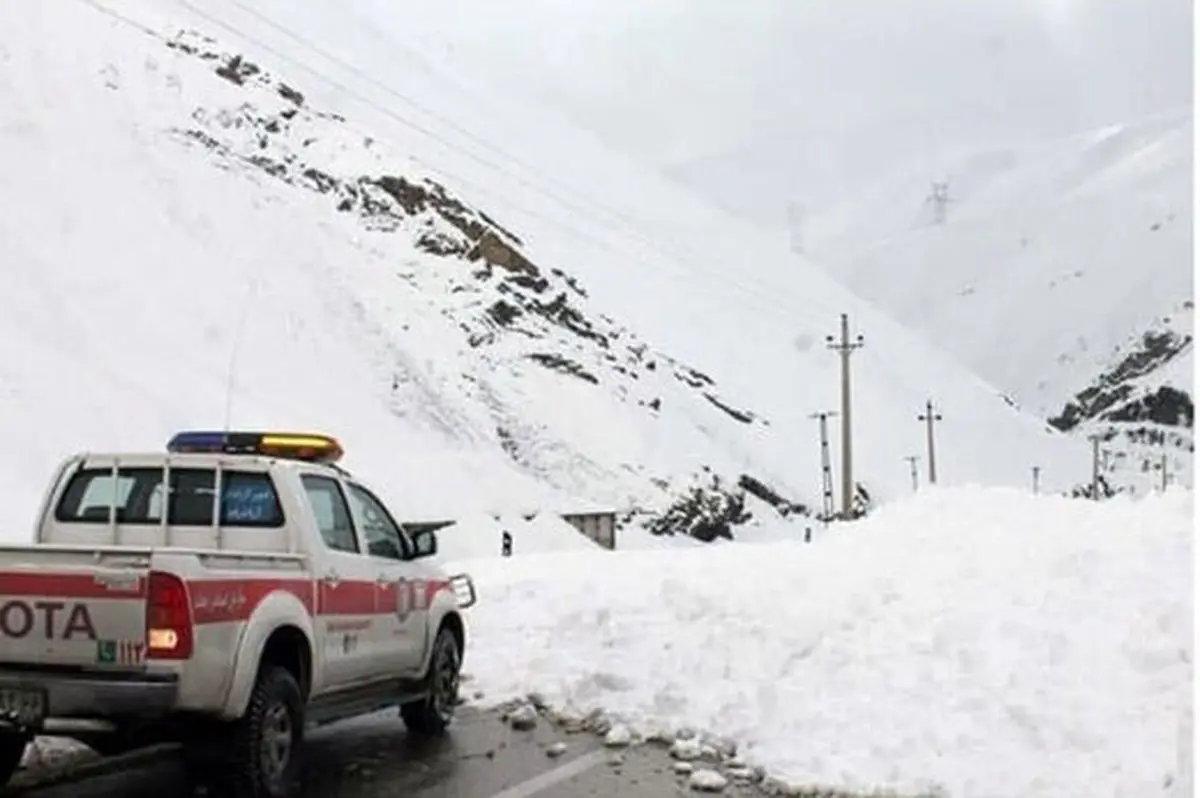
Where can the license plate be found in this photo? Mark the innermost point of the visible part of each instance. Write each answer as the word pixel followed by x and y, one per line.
pixel 26 707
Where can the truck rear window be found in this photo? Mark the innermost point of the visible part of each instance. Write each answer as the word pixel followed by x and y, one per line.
pixel 248 498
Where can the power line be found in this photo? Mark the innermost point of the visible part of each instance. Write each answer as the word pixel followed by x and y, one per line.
pixel 633 227
pixel 431 134
pixel 688 261
pixel 446 120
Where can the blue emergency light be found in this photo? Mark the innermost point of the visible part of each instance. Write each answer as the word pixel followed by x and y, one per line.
pixel 310 447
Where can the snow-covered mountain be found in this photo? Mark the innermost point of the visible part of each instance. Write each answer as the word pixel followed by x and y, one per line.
pixel 1060 272
pixel 206 220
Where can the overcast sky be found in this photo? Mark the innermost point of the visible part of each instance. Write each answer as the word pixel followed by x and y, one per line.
pixel 672 80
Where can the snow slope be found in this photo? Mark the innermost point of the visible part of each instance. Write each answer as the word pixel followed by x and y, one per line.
pixel 1051 256
pixel 192 238
pixel 968 643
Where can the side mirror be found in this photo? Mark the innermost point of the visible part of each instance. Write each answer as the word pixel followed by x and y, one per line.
pixel 425 544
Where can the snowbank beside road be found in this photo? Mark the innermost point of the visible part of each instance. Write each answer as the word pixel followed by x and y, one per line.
pixel 987 642
pixel 480 536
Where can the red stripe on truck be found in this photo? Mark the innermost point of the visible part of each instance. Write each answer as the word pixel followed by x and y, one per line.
pixel 76 586
pixel 226 600
pixel 230 600
pixel 419 594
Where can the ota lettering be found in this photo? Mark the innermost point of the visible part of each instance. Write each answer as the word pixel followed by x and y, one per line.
pixel 47 619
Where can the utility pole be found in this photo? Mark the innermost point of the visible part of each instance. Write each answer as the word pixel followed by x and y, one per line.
pixel 1163 466
pixel 845 347
pixel 1036 470
pixel 826 468
pixel 1095 439
pixel 912 467
pixel 929 417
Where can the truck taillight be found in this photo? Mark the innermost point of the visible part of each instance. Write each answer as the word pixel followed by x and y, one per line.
pixel 168 618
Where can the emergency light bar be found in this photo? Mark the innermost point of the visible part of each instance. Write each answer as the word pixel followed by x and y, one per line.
pixel 310 447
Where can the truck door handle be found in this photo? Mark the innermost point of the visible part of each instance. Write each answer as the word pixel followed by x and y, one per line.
pixel 332 579
pixel 383 580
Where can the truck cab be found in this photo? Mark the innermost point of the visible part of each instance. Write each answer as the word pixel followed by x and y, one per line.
pixel 227 594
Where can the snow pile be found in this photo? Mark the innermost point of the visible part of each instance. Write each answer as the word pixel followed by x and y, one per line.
pixel 986 642
pixel 480 535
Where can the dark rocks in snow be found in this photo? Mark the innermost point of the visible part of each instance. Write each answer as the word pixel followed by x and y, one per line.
pixel 409 196
pixel 497 252
pixel 704 512
pixel 508 443
pixel 438 244
pixel 532 282
pixel 504 313
pixel 269 165
pixel 559 311
pixel 760 491
pixel 694 378
pixel 1107 397
pixel 1167 406
pixel 237 70
pixel 1085 491
pixel 290 94
pixel 572 283
pixel 563 365
pixel 738 415
pixel 1158 437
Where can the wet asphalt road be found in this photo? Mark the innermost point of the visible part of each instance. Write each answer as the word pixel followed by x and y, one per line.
pixel 372 757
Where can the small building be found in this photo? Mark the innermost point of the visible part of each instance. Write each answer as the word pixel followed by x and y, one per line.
pixel 599 526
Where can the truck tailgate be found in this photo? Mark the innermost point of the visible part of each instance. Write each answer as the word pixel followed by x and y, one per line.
pixel 73 606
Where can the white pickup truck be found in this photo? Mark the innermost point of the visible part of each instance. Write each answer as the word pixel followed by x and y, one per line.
pixel 263 591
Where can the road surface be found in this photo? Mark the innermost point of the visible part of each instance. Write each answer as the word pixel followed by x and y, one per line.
pixel 372 757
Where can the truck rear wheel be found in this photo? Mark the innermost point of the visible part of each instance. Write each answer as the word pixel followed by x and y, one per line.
pixel 12 751
pixel 260 758
pixel 432 714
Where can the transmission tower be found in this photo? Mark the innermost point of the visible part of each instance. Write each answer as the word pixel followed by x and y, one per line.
pixel 939 198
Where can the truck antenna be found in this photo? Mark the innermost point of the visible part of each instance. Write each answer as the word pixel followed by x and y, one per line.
pixel 235 347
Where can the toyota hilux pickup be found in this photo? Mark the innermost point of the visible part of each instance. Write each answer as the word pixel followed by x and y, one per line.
pixel 225 594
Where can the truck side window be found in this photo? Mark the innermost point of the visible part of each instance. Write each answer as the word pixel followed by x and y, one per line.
pixel 92 491
pixel 248 499
pixel 384 538
pixel 333 516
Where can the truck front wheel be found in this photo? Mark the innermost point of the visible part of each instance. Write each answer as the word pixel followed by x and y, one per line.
pixel 12 751
pixel 433 713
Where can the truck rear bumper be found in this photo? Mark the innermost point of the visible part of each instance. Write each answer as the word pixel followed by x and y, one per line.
pixel 97 695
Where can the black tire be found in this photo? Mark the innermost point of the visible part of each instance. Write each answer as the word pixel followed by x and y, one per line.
pixel 432 714
pixel 12 751
pixel 260 758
